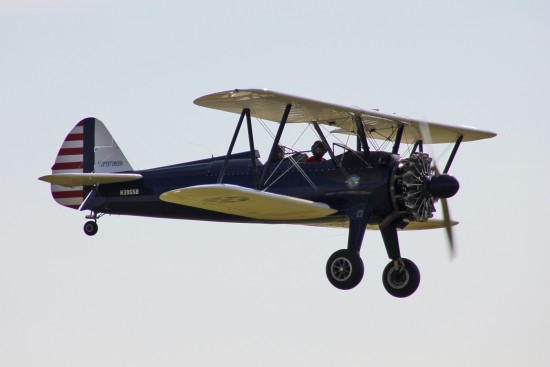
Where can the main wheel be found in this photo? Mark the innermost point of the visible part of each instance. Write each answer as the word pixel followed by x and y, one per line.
pixel 401 282
pixel 345 269
pixel 90 228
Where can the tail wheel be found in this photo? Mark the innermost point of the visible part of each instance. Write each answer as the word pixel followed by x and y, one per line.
pixel 90 228
pixel 345 269
pixel 401 281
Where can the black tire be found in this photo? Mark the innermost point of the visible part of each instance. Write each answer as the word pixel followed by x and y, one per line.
pixel 402 283
pixel 345 269
pixel 90 228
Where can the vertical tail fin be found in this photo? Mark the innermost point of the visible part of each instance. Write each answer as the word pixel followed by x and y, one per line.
pixel 89 147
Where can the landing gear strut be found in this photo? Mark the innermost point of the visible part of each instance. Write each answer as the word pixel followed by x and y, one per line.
pixel 345 268
pixel 401 277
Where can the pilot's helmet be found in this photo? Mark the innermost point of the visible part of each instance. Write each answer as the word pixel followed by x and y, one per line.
pixel 318 146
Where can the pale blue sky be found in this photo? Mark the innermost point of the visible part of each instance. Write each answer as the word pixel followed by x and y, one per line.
pixel 170 293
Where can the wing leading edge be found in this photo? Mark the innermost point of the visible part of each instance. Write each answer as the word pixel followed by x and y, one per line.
pixel 270 105
pixel 249 203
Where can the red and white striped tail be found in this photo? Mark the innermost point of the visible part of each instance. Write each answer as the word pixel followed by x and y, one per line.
pixel 70 159
pixel 89 147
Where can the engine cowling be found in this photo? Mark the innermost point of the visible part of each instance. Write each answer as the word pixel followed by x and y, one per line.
pixel 418 188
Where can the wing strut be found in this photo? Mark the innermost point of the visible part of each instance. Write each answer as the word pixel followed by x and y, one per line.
pixel 252 149
pixel 361 136
pixel 397 142
pixel 274 147
pixel 231 145
pixel 453 153
pixel 417 145
pixel 245 112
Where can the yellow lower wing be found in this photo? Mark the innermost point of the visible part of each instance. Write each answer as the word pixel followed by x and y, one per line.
pixel 343 222
pixel 245 202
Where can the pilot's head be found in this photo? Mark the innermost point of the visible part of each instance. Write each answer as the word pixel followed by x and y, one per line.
pixel 318 149
pixel 279 153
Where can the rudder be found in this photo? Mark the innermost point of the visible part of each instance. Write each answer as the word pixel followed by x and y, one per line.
pixel 89 147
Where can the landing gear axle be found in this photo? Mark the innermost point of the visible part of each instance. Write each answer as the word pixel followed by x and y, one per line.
pixel 345 269
pixel 401 278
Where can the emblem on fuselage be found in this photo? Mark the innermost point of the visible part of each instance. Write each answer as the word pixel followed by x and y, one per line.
pixel 353 181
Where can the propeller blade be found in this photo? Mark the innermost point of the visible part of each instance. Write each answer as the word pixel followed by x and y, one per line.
pixel 437 173
pixel 448 226
pixel 424 130
pixel 427 138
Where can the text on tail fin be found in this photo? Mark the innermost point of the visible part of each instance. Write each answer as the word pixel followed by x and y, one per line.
pixel 89 147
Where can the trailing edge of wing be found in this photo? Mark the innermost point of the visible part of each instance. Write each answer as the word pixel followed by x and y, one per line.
pixel 89 179
pixel 249 203
pixel 270 105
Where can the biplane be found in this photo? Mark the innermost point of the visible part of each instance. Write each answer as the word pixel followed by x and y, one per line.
pixel 360 187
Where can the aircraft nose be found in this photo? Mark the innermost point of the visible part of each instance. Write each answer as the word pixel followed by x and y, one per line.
pixel 443 186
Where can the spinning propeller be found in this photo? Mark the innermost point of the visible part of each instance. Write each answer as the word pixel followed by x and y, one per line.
pixel 441 186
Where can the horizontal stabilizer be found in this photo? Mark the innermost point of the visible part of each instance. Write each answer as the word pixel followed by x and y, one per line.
pixel 249 203
pixel 89 179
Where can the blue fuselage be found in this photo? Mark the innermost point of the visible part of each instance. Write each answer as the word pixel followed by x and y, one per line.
pixel 320 182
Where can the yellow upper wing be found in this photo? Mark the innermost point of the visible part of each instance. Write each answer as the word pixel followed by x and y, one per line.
pixel 270 105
